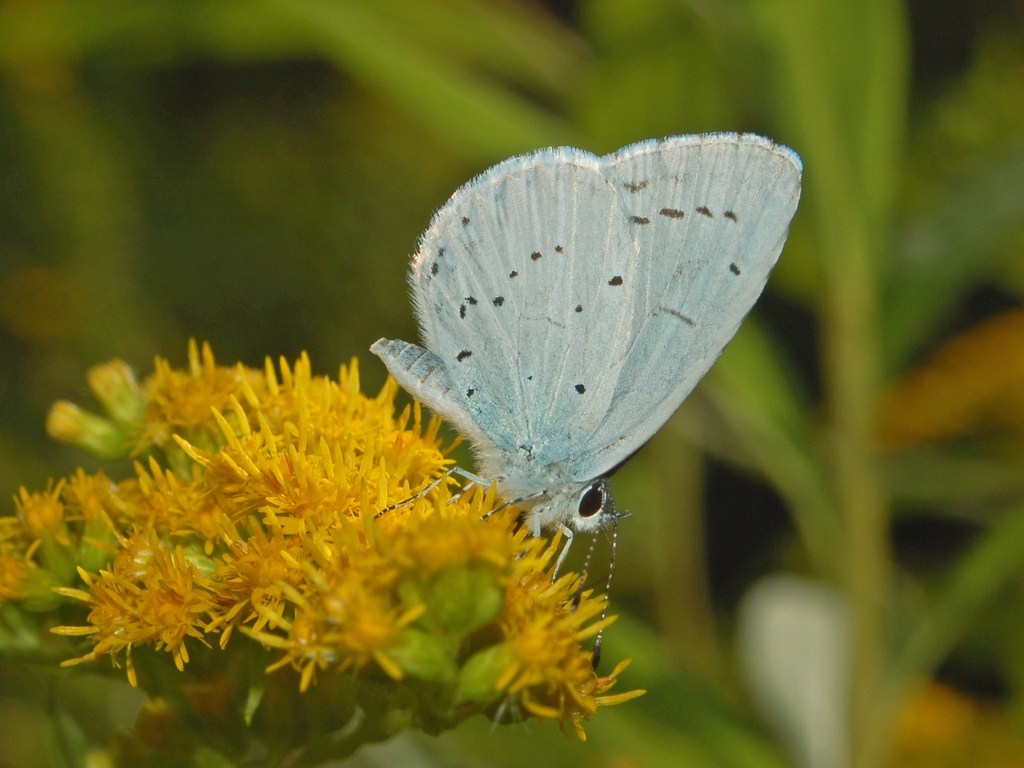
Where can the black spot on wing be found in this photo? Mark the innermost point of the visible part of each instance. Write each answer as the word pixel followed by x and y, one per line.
pixel 465 221
pixel 734 269
pixel 617 280
pixel 433 268
pixel 671 213
pixel 580 388
pixel 579 307
pixel 731 215
pixel 463 355
pixel 498 301
pixel 639 220
pixel 462 311
pixel 559 249
pixel 512 274
pixel 535 255
pixel 470 392
pixel 470 300
pixel 705 211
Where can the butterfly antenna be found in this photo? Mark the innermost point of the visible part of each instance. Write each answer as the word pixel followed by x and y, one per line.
pixel 583 574
pixel 595 657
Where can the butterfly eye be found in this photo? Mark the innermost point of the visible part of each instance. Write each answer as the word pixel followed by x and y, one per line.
pixel 592 501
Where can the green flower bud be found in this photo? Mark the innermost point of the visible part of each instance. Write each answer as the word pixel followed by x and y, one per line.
pixel 94 434
pixel 458 600
pixel 478 681
pixel 423 656
pixel 117 390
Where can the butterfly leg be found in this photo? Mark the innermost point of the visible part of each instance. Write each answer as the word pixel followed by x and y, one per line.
pixel 465 474
pixel 519 500
pixel 456 470
pixel 567 532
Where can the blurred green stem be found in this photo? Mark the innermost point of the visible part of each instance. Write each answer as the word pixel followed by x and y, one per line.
pixel 848 107
pixel 994 561
pixel 683 594
pixel 850 357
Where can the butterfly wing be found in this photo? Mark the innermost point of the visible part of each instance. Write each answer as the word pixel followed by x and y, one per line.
pixel 518 290
pixel 708 216
pixel 569 303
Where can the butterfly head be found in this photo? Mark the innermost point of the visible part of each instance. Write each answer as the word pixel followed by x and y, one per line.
pixel 582 507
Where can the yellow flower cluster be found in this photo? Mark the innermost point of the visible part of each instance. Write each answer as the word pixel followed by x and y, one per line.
pixel 253 516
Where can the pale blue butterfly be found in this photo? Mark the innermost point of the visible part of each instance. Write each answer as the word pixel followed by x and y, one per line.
pixel 569 303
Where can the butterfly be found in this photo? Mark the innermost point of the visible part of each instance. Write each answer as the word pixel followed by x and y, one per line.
pixel 569 303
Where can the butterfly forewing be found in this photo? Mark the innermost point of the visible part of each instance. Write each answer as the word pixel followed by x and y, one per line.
pixel 708 215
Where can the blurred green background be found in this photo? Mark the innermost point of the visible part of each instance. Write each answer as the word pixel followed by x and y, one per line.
pixel 824 562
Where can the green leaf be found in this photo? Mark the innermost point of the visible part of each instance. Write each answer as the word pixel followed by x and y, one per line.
pixel 962 479
pixel 475 116
pixel 753 388
pixel 943 253
pixel 996 559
